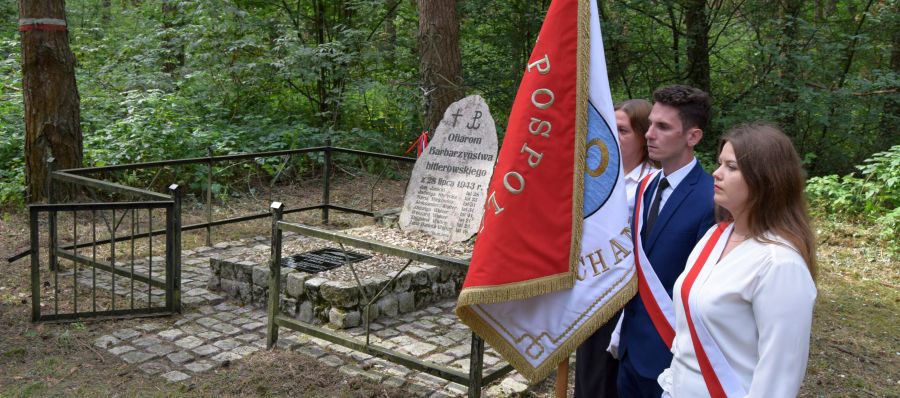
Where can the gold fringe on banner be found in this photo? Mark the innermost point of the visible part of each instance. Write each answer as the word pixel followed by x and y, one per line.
pixel 474 296
pixel 514 291
pixel 509 352
pixel 552 283
pixel 581 125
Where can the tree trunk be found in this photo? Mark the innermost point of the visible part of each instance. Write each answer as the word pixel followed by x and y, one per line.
pixel 696 20
pixel 674 22
pixel 440 65
pixel 789 70
pixel 105 5
pixel 890 117
pixel 52 114
pixel 173 50
pixel 321 83
pixel 390 27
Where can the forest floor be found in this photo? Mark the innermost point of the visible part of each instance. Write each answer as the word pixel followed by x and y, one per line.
pixel 854 352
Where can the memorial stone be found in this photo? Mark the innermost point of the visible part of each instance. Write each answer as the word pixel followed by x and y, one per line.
pixel 448 187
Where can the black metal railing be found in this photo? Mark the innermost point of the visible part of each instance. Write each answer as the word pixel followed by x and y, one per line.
pixel 98 279
pixel 167 283
pixel 79 177
pixel 145 293
pixel 474 379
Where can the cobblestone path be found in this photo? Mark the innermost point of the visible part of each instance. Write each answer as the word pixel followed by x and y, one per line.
pixel 212 331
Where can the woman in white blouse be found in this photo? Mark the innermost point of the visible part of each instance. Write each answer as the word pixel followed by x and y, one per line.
pixel 743 306
pixel 597 356
pixel 633 120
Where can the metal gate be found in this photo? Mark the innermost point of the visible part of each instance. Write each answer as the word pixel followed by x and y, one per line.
pixel 78 257
pixel 105 260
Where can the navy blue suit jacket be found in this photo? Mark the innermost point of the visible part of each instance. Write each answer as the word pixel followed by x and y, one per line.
pixel 686 216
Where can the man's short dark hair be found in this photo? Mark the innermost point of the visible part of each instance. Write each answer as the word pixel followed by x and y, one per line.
pixel 692 104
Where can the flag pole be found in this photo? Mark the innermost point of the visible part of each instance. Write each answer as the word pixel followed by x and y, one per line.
pixel 562 379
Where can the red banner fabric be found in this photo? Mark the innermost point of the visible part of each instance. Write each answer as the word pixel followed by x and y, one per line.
pixel 527 229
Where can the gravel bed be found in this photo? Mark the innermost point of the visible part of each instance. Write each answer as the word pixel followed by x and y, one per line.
pixel 378 264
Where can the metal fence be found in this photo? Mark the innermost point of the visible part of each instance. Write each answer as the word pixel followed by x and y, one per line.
pixel 474 379
pixel 87 275
pixel 118 272
pixel 75 275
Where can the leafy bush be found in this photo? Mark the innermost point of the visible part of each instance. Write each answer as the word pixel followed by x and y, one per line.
pixel 12 169
pixel 12 124
pixel 872 196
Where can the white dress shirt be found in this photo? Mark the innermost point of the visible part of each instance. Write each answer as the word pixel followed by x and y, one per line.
pixel 632 180
pixel 674 179
pixel 757 304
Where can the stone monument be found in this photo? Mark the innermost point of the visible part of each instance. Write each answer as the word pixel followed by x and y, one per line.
pixel 448 186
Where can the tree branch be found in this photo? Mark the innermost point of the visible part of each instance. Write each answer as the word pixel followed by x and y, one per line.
pixel 653 17
pixel 381 22
pixel 852 47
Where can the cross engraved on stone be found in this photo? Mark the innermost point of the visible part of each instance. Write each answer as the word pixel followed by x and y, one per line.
pixel 456 116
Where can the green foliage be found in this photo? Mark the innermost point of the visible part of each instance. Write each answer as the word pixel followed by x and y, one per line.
pixel 824 73
pixel 497 38
pixel 882 172
pixel 164 80
pixel 12 125
pixel 169 81
pixel 873 194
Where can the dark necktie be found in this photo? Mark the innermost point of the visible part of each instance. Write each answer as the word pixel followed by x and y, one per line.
pixel 654 207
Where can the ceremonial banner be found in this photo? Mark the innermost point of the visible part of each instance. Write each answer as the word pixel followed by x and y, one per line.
pixel 553 258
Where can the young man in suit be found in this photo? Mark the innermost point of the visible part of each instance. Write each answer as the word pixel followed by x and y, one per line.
pixel 676 210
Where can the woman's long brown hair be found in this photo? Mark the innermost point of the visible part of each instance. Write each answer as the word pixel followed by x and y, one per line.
pixel 776 202
pixel 638 111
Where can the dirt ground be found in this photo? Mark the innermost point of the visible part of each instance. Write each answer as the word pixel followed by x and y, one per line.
pixel 855 347
pixel 60 359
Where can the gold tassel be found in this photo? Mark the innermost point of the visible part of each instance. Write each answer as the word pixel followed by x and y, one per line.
pixel 522 290
pixel 514 291
pixel 509 352
pixel 581 107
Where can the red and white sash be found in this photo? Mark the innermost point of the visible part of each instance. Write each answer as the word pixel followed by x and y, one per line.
pixel 658 303
pixel 721 380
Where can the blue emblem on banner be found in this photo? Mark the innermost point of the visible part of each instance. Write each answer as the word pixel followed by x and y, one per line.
pixel 601 169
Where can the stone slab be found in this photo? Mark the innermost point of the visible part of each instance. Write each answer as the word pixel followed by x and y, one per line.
pixel 448 186
pixel 176 376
